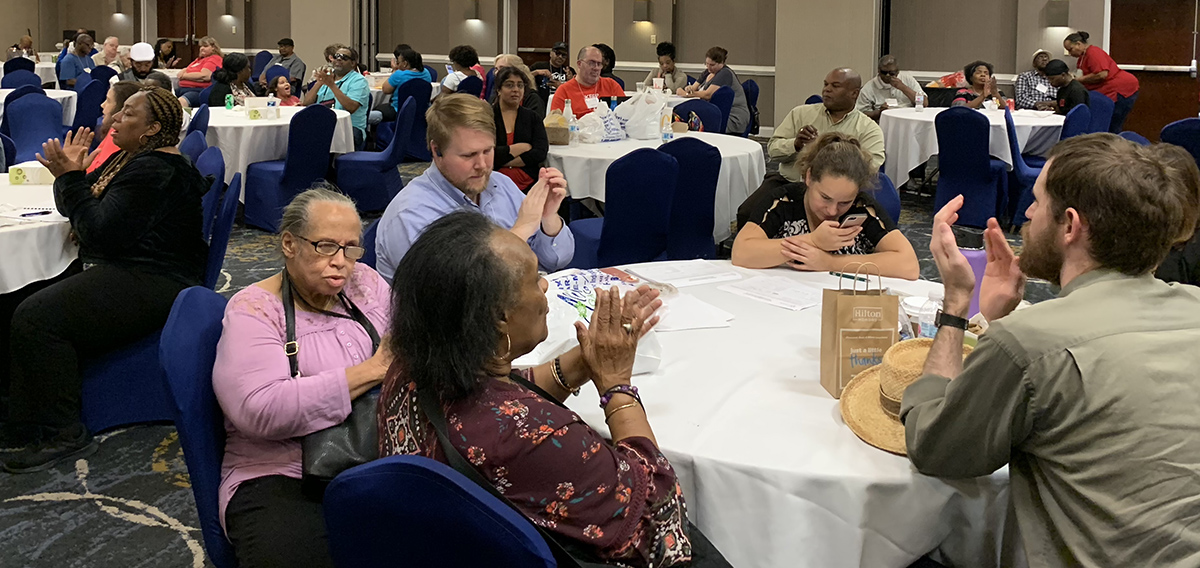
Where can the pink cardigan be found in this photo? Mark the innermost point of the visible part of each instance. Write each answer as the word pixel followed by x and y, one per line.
pixel 267 410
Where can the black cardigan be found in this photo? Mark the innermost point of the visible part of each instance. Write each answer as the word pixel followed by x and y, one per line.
pixel 148 218
pixel 528 129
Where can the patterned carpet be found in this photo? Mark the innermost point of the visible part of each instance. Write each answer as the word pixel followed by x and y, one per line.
pixel 130 504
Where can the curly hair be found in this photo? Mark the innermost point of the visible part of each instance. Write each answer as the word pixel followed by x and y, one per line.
pixel 665 48
pixel 837 154
pixel 464 56
pixel 448 298
pixel 969 70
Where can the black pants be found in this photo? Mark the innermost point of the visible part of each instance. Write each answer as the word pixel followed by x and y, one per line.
pixel 389 113
pixel 1121 109
pixel 86 315
pixel 8 307
pixel 272 524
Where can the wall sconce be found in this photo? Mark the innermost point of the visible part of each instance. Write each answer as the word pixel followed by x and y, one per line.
pixel 473 10
pixel 229 8
pixel 120 9
pixel 641 10
pixel 1058 13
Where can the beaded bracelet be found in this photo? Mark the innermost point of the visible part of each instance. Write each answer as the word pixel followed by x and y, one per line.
pixel 622 389
pixel 556 372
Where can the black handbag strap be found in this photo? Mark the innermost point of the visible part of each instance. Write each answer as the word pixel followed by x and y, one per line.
pixel 437 417
pixel 290 347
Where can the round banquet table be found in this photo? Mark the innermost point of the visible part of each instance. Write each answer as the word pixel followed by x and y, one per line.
pixel 243 141
pixel 910 137
pixel 35 249
pixel 64 97
pixel 771 473
pixel 742 169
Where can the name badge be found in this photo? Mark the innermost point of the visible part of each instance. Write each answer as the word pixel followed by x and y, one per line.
pixel 592 101
pixel 1042 89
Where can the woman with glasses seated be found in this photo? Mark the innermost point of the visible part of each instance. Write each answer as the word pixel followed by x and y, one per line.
pixel 340 310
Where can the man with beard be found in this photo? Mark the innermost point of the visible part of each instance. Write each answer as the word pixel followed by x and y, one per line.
pixel 142 57
pixel 462 139
pixel 1090 398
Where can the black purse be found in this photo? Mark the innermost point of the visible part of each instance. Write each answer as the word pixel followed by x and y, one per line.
pixel 355 441
pixel 568 555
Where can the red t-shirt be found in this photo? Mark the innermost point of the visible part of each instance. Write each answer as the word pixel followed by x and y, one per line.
pixel 212 63
pixel 104 151
pixel 517 175
pixel 1119 82
pixel 579 94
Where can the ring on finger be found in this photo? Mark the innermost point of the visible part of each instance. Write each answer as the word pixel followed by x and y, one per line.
pixel 628 327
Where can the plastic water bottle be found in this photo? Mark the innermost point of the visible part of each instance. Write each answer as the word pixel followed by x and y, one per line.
pixel 919 104
pixel 572 124
pixel 929 313
pixel 664 123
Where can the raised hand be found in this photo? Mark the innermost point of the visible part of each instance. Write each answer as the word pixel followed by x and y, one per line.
pixel 1003 284
pixel 957 276
pixel 609 344
pixel 69 155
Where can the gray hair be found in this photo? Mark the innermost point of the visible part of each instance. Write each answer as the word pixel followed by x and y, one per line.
pixel 296 214
pixel 887 60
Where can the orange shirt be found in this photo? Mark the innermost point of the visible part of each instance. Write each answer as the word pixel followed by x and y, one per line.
pixel 579 94
pixel 105 150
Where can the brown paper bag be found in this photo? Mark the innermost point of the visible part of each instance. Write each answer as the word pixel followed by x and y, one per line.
pixel 857 327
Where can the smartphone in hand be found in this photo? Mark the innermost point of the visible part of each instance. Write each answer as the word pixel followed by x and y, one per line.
pixel 854 220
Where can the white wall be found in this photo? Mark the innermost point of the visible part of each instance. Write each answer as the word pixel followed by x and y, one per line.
pixel 1033 33
pixel 317 23
pixel 591 22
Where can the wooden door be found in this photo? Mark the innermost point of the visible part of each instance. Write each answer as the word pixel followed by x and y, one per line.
pixel 1156 33
pixel 184 22
pixel 540 25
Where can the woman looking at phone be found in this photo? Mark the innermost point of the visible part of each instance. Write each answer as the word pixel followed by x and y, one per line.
pixel 826 222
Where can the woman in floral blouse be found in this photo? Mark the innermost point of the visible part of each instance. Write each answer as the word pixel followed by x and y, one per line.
pixel 468 301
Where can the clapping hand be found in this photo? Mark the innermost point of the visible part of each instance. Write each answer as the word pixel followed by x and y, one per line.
pixel 957 276
pixel 324 77
pixel 556 186
pixel 609 344
pixel 1003 284
pixel 70 155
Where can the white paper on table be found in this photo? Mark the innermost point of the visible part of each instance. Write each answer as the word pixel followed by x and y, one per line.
pixel 682 273
pixel 777 291
pixel 685 311
pixel 16 215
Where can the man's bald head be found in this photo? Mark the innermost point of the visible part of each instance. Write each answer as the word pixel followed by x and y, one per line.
pixel 840 92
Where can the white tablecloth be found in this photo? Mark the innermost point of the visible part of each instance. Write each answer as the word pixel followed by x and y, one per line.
pixel 174 75
pixel 33 250
pixel 742 169
pixel 243 141
pixel 770 472
pixel 64 97
pixel 910 137
pixel 44 71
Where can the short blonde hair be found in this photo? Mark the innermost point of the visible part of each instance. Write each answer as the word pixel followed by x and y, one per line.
pixel 210 42
pixel 450 112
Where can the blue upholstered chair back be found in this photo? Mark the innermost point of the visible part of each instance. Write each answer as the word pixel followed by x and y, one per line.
pixel 692 217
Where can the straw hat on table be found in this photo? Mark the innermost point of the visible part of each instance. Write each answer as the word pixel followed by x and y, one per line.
pixel 871 401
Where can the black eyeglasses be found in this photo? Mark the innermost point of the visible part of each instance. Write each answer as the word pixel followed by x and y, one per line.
pixel 888 73
pixel 330 248
pixel 342 57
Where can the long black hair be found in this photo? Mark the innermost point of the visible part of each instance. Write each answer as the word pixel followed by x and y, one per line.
pixel 607 53
pixel 448 298
pixel 158 50
pixel 231 66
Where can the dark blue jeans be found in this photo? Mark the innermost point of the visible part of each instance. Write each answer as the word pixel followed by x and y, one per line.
pixel 1124 106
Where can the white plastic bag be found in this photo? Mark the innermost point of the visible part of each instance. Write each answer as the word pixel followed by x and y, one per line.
pixel 591 129
pixel 613 130
pixel 643 122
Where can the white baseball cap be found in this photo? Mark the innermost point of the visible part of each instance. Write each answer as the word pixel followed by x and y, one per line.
pixel 141 51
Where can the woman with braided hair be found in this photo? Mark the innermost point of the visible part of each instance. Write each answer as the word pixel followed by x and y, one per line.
pixel 138 223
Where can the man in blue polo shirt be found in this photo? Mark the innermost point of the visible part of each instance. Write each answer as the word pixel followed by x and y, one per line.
pixel 345 89
pixel 77 62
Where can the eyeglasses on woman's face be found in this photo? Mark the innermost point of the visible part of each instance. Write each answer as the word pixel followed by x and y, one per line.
pixel 330 248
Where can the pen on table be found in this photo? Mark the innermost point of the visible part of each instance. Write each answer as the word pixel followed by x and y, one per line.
pixel 849 276
pixel 35 213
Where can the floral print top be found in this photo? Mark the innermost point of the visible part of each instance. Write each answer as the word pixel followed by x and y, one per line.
pixel 619 502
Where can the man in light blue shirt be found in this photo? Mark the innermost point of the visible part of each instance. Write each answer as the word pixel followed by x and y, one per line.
pixel 462 138
pixel 344 89
pixel 77 62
